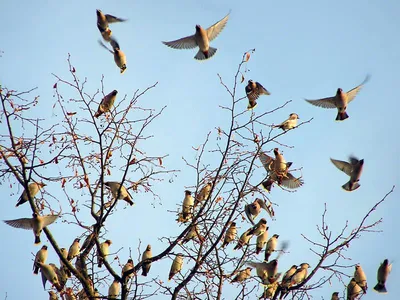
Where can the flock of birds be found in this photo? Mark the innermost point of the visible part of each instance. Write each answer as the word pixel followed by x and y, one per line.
pixel 277 172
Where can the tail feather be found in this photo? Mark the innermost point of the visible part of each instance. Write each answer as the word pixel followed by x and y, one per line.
pixel 37 239
pixel 380 288
pixel 258 250
pixel 342 116
pixel 267 255
pixel 250 106
pixel 349 186
pixel 205 55
pixel 36 270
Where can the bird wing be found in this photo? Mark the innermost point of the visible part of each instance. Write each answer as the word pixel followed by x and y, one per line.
pixel 353 92
pixel 261 89
pixel 292 182
pixel 324 102
pixel 248 214
pixel 114 44
pixel 24 223
pixel 113 19
pixel 266 161
pixel 49 219
pixel 268 207
pixel 214 30
pixel 184 43
pixel 44 279
pixel 104 46
pixel 343 166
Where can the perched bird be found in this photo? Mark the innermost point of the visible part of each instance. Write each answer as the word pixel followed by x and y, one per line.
pixel 339 101
pixel 259 228
pixel 36 223
pixel 88 241
pixel 352 169
pixel 203 194
pixel 383 272
pixel 119 192
pixel 200 39
pixel 80 265
pixel 49 274
pixel 104 251
pixel 286 280
pixel 242 275
pixel 187 207
pixel 335 296
pixel 74 249
pixel 52 295
pixel 119 56
pixel 353 290
pixel 253 91
pixel 193 234
pixel 230 234
pixel 300 275
pixel 360 278
pixel 261 241
pixel 176 266
pixel 64 253
pixel 41 256
pixel 267 271
pixel 289 123
pixel 146 265
pixel 113 290
pixel 271 246
pixel 61 276
pixel 106 103
pixel 128 266
pixel 253 209
pixel 33 189
pixel 269 291
pixel 243 240
pixel 104 19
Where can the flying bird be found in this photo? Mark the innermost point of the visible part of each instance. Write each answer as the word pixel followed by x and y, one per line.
pixel 339 101
pixel 353 290
pixel 106 103
pixel 290 123
pixel 243 275
pixel 230 234
pixel 104 19
pixel 253 91
pixel 146 265
pixel 383 272
pixel 353 169
pixel 119 192
pixel 253 209
pixel 176 266
pixel 41 256
pixel 119 56
pixel 200 39
pixel 33 189
pixel 105 251
pixel 36 223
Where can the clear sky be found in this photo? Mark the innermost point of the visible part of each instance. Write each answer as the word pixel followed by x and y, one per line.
pixel 304 49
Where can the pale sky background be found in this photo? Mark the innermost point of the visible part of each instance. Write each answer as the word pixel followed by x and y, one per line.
pixel 304 49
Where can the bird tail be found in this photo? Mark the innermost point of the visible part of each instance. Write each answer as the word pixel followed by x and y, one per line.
pixel 37 239
pixel 267 185
pixel 144 272
pixel 129 201
pixel 349 186
pixel 258 250
pixel 252 106
pixel 36 270
pixel 267 255
pixel 97 114
pixel 342 116
pixel 380 288
pixel 205 55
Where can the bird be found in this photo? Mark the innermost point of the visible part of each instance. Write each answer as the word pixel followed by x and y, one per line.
pixel 88 241
pixel 52 295
pixel 33 189
pixel 267 271
pixel 286 280
pixel 242 275
pixel 339 101
pixel 290 123
pixel 335 296
pixel 254 90
pixel 104 19
pixel 119 56
pixel 353 168
pixel 146 265
pixel 243 240
pixel 353 290
pixel 106 103
pixel 270 290
pixel 49 274
pixel 261 241
pixel 105 251
pixel 128 266
pixel 203 194
pixel 61 276
pixel 113 290
pixel 74 249
pixel 36 223
pixel 119 192
pixel 64 253
pixel 383 272
pixel 271 246
pixel 361 278
pixel 193 234
pixel 176 266
pixel 253 209
pixel 259 228
pixel 105 33
pixel 200 39
pixel 41 256
pixel 300 275
pixel 230 234
pixel 187 207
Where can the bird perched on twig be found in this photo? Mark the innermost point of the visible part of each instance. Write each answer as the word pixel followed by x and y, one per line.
pixel 33 189
pixel 106 103
pixel 290 123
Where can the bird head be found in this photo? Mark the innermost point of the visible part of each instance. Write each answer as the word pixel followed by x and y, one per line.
pixel 263 221
pixel 108 242
pixel 114 92
pixel 98 12
pixel 35 215
pixel 276 236
pixel 130 261
pixel 188 193
pixel 198 27
pixel 148 248
pixel 294 116
pixel 339 91
pixel 233 224
pixel 44 247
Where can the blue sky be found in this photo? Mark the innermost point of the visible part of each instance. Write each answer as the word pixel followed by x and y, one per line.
pixel 303 50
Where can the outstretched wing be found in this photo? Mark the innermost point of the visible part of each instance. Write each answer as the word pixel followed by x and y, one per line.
pixel 184 43
pixel 266 161
pixel 113 19
pixel 49 219
pixel 343 166
pixel 214 30
pixel 292 182
pixel 324 102
pixel 24 223
pixel 353 92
